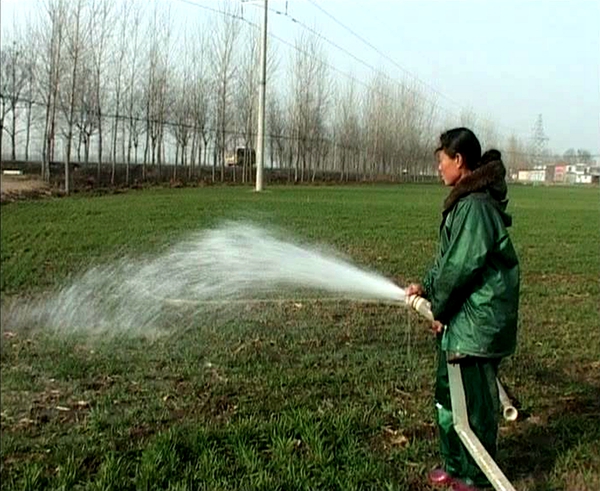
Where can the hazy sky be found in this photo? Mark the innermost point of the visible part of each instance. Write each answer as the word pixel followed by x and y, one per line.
pixel 506 60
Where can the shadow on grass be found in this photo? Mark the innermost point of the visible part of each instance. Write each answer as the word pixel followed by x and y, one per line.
pixel 544 451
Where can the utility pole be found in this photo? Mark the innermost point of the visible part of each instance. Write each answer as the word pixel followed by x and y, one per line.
pixel 260 140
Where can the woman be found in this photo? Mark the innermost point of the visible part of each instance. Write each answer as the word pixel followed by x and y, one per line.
pixel 473 288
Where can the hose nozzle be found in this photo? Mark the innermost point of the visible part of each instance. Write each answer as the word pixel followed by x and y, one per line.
pixel 420 305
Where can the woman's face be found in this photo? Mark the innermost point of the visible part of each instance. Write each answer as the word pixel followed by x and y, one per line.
pixel 451 168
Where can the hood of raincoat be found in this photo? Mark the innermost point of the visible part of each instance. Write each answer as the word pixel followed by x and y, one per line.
pixel 489 178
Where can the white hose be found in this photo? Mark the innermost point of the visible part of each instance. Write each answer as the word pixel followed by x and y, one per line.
pixel 509 412
pixel 459 411
pixel 461 425
pixel 423 307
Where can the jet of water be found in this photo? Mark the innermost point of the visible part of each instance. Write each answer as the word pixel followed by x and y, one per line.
pixel 232 262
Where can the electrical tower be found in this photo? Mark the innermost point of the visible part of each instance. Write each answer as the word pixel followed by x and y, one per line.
pixel 539 139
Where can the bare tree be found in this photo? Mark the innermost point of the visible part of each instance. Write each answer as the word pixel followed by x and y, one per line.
pixel 246 101
pixel 12 84
pixel 515 154
pixel 101 24
pixel 488 135
pixel 277 124
pixel 577 156
pixel 118 62
pixel 181 102
pixel 570 155
pixel 224 67
pixel 106 73
pixel 31 60
pixel 347 130
pixel 309 105
pixel 76 40
pixel 135 117
pixel 399 124
pixel 200 103
pixel 157 86
pixel 414 120
pixel 51 38
pixel 468 118
pixel 86 119
pixel 183 115
pixel 584 156
pixel 4 89
pixel 133 95
pixel 376 109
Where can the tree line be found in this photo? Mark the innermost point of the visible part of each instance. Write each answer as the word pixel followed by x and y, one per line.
pixel 115 86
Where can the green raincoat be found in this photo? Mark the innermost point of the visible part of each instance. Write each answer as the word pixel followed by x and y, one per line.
pixel 473 286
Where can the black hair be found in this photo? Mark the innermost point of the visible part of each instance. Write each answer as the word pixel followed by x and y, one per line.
pixel 463 141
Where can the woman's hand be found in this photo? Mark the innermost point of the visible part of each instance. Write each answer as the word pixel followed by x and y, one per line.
pixel 437 327
pixel 414 289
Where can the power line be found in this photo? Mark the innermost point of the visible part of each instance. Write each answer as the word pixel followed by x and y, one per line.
pixel 397 65
pixel 384 55
pixel 353 56
pixel 316 33
pixel 433 103
pixel 217 11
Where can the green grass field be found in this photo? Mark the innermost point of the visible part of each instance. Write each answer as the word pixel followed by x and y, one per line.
pixel 293 396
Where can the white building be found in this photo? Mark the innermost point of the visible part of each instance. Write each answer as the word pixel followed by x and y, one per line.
pixel 537 174
pixel 579 174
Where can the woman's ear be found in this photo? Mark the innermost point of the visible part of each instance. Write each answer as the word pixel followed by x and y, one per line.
pixel 460 162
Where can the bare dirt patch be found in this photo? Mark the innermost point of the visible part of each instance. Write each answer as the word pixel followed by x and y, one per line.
pixel 22 187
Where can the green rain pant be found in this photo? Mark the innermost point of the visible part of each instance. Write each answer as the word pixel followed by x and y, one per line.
pixel 483 407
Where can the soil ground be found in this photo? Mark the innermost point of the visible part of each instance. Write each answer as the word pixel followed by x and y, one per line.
pixel 21 186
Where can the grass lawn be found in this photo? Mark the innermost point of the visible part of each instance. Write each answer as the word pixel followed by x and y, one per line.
pixel 290 396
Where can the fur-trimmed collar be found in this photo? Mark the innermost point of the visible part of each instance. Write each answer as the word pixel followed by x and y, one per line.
pixel 488 178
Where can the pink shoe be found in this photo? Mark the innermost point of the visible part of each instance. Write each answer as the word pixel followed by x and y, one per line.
pixel 439 477
pixel 458 485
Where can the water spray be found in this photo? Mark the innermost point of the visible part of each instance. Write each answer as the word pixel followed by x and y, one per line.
pixel 211 273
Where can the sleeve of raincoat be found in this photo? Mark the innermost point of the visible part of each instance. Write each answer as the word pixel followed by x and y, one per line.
pixel 427 283
pixel 472 236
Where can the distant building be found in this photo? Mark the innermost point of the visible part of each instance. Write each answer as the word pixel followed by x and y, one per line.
pixel 560 173
pixel 537 174
pixel 578 174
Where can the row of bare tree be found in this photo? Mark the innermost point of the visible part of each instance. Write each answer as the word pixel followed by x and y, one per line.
pixel 115 85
